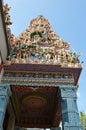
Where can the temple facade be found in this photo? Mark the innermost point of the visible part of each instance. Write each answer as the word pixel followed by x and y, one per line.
pixel 39 75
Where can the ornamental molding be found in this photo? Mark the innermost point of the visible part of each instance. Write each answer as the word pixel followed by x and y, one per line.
pixel 68 91
pixel 37 81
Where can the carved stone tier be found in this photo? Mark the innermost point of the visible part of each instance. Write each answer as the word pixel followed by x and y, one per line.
pixel 41 68
pixel 38 79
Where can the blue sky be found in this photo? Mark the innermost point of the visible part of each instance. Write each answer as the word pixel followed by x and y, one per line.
pixel 68 19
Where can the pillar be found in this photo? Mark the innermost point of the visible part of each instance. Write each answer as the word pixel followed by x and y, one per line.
pixel 4 98
pixel 70 114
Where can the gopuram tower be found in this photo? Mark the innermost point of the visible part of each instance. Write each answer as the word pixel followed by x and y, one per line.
pixel 39 80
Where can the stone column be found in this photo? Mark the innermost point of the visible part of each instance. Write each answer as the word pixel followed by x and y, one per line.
pixel 70 114
pixel 4 98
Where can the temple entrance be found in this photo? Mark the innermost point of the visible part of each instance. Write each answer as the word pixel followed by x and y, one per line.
pixel 39 80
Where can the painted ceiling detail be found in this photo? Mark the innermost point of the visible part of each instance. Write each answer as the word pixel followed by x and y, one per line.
pixel 39 44
pixel 36 108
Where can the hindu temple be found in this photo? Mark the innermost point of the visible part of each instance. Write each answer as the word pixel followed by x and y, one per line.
pixel 39 75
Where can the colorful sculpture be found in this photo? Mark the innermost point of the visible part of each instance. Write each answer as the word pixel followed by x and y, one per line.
pixel 39 44
pixel 6 10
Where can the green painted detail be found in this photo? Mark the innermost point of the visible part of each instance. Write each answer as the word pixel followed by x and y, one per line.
pixel 36 33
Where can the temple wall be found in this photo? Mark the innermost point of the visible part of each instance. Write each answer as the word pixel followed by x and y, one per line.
pixel 3 44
